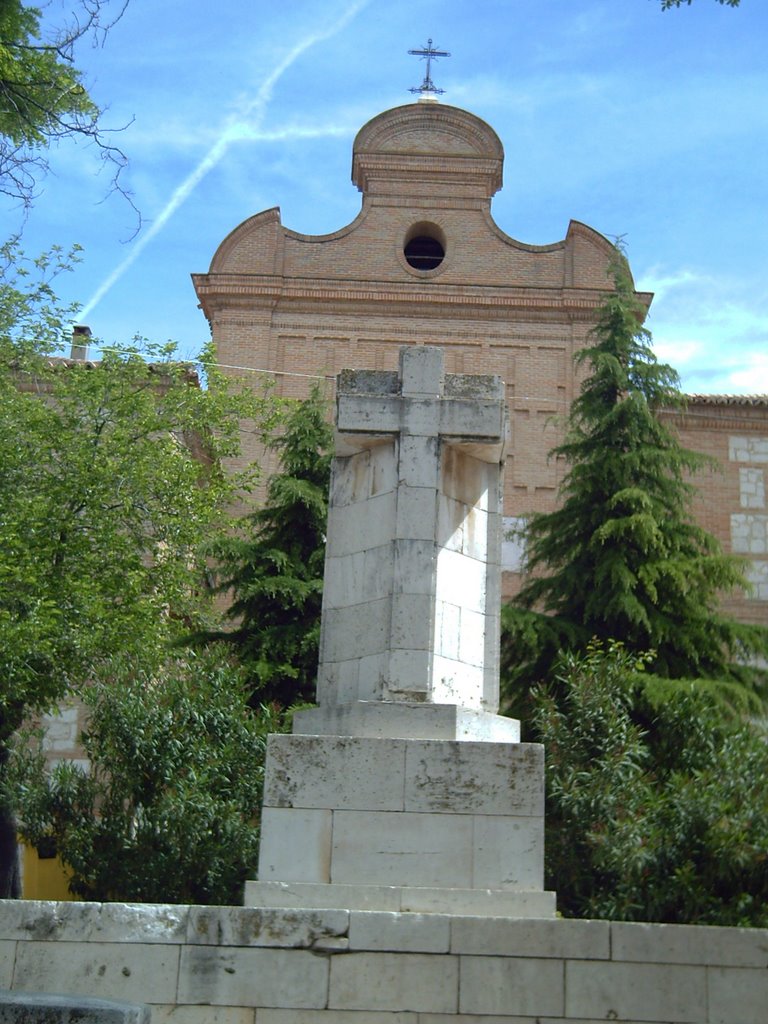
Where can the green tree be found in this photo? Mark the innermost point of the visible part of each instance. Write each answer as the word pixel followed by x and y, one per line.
pixel 109 487
pixel 272 568
pixel 621 557
pixel 656 807
pixel 167 811
pixel 667 4
pixel 42 96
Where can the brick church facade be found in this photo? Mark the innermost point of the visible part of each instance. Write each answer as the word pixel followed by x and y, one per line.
pixel 425 263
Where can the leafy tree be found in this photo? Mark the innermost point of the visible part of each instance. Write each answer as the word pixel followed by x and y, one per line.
pixel 656 809
pixel 272 569
pixel 621 557
pixel 109 486
pixel 667 4
pixel 42 96
pixel 167 811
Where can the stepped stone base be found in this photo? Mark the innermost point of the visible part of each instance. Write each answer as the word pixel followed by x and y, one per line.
pixel 403 824
pixel 406 720
pixel 401 899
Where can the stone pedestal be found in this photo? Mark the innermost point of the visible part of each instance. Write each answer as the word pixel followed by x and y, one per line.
pixel 404 790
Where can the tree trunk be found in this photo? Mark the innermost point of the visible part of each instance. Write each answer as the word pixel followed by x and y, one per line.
pixel 10 877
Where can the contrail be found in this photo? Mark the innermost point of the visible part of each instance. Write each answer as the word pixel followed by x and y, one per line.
pixel 235 129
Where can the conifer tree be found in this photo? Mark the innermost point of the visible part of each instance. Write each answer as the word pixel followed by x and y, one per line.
pixel 621 558
pixel 273 567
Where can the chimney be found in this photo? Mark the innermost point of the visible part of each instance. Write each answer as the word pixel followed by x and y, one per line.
pixel 80 338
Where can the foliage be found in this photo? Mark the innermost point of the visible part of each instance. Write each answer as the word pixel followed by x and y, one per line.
pixel 167 811
pixel 668 824
pixel 273 567
pixel 42 96
pixel 621 557
pixel 109 487
pixel 667 4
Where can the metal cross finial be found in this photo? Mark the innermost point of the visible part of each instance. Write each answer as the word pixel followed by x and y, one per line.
pixel 428 86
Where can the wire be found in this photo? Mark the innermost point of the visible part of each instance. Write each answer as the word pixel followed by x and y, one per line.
pixel 559 403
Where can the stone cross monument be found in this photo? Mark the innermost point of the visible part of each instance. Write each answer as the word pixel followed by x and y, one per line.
pixel 403 789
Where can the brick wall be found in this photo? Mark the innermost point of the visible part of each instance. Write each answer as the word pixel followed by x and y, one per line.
pixel 298 306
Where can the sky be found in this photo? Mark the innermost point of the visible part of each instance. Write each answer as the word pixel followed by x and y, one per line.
pixel 646 125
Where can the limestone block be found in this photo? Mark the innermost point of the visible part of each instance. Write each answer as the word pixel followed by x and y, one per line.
pixel 751 488
pixel 132 971
pixel 368 524
pixel 338 682
pixel 371 671
pixel 358 577
pixel 509 903
pixel 364 475
pixel 418 462
pixel 469 479
pixel 508 852
pixel 203 1015
pixel 510 985
pixel 748 449
pixel 447 630
pixel 403 933
pixel 463 527
pixel 651 992
pixel 335 771
pixel 249 926
pixel 475 778
pixel 356 631
pixel 737 996
pixel 690 944
pixel 460 580
pixel 503 936
pixel 389 848
pixel 474 419
pixel 303 895
pixel 295 844
pixel 749 533
pixel 93 922
pixel 408 676
pixel 407 721
pixel 454 682
pixel 757 574
pixel 513 545
pixel 335 1017
pixel 421 370
pixel 412 625
pixel 252 977
pixel 396 981
pixel 420 417
pixel 367 414
pixel 7 957
pixel 472 637
pixel 414 566
pixel 416 516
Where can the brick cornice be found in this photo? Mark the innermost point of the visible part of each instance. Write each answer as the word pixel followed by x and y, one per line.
pixel 225 291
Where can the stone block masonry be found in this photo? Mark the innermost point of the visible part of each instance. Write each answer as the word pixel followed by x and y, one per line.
pixel 240 965
pixel 404 790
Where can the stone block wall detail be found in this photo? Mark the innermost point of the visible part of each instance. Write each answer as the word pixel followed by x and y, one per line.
pixel 235 965
pixel 749 528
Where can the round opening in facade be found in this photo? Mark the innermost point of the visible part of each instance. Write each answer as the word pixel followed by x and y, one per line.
pixel 424 247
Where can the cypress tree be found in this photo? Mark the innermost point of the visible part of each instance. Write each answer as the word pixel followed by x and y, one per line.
pixel 621 558
pixel 272 568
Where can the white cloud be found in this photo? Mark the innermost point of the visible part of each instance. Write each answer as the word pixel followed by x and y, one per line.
pixel 712 330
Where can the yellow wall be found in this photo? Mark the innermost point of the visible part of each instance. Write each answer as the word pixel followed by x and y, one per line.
pixel 44 878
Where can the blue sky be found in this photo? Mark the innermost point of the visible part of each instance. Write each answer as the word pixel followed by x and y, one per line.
pixel 648 125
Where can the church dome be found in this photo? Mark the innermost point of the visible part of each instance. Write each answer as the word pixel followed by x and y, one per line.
pixel 428 142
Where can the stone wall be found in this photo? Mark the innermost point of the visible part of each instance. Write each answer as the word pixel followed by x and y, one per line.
pixel 221 965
